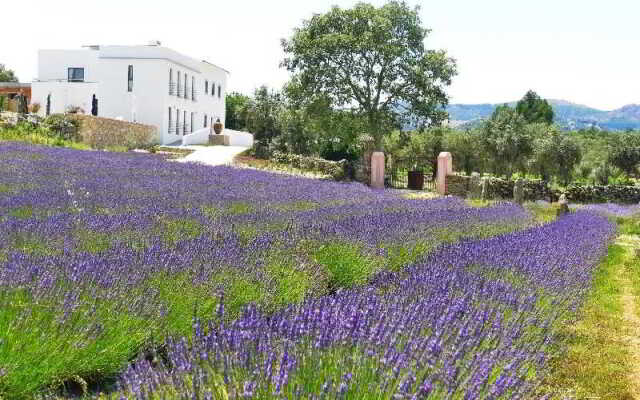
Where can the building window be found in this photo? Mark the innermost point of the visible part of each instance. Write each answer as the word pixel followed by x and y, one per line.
pixel 206 87
pixel 219 91
pixel 185 87
pixel 130 79
pixel 213 88
pixel 177 121
pixel 193 89
pixel 184 123
pixel 192 122
pixel 171 87
pixel 75 74
pixel 178 85
pixel 170 117
pixel 205 120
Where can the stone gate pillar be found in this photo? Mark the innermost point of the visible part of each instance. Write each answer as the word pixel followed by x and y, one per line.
pixel 377 170
pixel 445 167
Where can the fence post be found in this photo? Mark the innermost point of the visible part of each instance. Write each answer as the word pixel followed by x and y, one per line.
pixel 445 167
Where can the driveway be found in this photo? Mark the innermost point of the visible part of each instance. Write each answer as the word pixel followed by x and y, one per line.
pixel 211 155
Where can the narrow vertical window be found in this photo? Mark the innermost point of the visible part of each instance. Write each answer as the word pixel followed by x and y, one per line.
pixel 213 88
pixel 205 121
pixel 130 79
pixel 219 90
pixel 171 87
pixel 178 85
pixel 192 122
pixel 206 87
pixel 185 86
pixel 177 121
pixel 184 122
pixel 193 89
pixel 170 117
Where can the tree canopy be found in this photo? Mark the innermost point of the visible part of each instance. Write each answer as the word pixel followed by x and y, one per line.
pixel 374 62
pixel 534 109
pixel 7 75
pixel 506 141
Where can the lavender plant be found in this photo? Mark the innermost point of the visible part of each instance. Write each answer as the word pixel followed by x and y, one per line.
pixel 226 282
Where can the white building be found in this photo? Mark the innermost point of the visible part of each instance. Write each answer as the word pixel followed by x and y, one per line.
pixel 149 84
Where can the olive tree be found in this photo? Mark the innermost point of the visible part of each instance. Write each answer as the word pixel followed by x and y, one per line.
pixel 506 141
pixel 556 154
pixel 372 61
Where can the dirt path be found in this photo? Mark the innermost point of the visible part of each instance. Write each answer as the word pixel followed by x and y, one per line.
pixel 630 313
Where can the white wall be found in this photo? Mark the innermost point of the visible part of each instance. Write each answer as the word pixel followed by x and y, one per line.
pixel 106 77
pixel 144 104
pixel 63 95
pixel 53 64
pixel 201 136
pixel 239 138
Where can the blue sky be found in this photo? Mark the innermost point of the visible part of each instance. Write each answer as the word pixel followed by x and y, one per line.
pixel 582 51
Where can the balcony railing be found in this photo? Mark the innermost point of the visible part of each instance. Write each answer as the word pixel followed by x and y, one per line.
pixel 172 128
pixel 172 89
pixel 186 129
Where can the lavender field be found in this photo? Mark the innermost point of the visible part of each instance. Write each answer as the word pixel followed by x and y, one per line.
pixel 126 276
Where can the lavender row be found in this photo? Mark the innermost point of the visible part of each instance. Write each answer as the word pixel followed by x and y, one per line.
pixel 458 325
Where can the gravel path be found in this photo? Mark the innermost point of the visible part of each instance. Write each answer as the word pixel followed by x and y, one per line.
pixel 211 155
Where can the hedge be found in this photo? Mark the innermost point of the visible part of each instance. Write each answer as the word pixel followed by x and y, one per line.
pixel 603 194
pixel 335 169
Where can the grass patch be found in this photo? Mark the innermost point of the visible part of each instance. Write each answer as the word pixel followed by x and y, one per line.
pixel 40 350
pixel 290 283
pixel 346 264
pixel 35 246
pixel 240 207
pixel 91 242
pixel 23 212
pixel 597 362
pixel 479 203
pixel 175 230
pixel 543 213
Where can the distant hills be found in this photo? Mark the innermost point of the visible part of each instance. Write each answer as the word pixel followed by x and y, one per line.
pixel 567 115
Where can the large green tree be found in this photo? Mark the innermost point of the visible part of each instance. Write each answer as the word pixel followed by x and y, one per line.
pixel 374 62
pixel 236 109
pixel 506 142
pixel 534 109
pixel 7 75
pixel 626 158
pixel 556 154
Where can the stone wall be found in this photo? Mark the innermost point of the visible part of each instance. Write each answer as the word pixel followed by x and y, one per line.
pixel 603 194
pixel 362 168
pixel 458 185
pixel 101 133
pixel 497 188
pixel 335 169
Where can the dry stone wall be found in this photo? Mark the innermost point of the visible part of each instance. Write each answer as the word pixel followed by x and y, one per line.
pixel 101 133
pixel 496 188
pixel 603 194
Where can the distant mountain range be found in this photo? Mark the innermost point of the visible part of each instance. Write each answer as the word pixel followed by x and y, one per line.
pixel 567 115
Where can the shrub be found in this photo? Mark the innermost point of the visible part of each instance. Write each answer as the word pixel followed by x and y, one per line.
pixel 75 110
pixel 34 108
pixel 62 127
pixel 335 169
